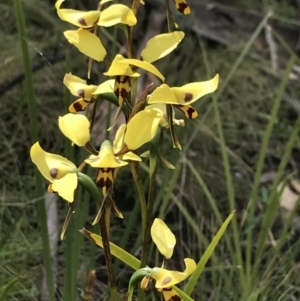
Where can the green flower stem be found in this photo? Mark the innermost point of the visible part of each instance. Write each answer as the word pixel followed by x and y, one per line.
pixel 169 14
pixel 41 208
pixel 134 166
pixel 108 258
pixel 146 243
pixel 107 213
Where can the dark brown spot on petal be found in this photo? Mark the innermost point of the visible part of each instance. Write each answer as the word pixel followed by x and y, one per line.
pixel 188 110
pixel 166 280
pixel 182 7
pixel 188 96
pixel 123 93
pixel 191 112
pixel 79 105
pixel 53 173
pixel 82 22
pixel 105 179
pixel 122 79
pixel 174 296
pixel 122 88
pixel 81 93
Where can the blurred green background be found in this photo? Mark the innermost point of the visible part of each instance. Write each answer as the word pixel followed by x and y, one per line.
pixel 241 147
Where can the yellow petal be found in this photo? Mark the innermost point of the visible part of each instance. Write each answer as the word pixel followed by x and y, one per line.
pixel 165 278
pixel 84 19
pixel 189 93
pixel 104 1
pixel 131 156
pixel 119 138
pixel 115 14
pixel 141 128
pixel 119 143
pixel 105 87
pixel 161 45
pixel 66 186
pixel 51 166
pixel 78 86
pixel 76 127
pixel 87 43
pixel 163 94
pixel 162 108
pixel 163 237
pixel 144 65
pixel 120 68
pixel 105 158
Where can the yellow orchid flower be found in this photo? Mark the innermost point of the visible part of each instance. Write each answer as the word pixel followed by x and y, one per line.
pixel 76 127
pixel 165 241
pixel 165 278
pixel 59 171
pixel 122 71
pixel 78 87
pixel 119 67
pixel 105 158
pixel 83 19
pixel 106 162
pixel 87 43
pixel 182 97
pixel 161 45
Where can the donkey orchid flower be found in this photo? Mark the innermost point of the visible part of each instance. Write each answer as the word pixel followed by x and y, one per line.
pixel 59 171
pixel 182 97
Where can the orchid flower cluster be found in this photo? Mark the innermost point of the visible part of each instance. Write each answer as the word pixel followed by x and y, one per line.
pixel 147 118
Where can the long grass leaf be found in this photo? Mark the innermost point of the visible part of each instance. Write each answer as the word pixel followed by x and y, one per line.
pixel 260 162
pixel 32 112
pixel 207 254
pixel 8 287
pixel 273 200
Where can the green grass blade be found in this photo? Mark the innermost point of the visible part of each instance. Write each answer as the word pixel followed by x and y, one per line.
pixel 225 158
pixel 261 158
pixel 32 111
pixel 243 54
pixel 207 254
pixel 273 200
pixel 8 287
